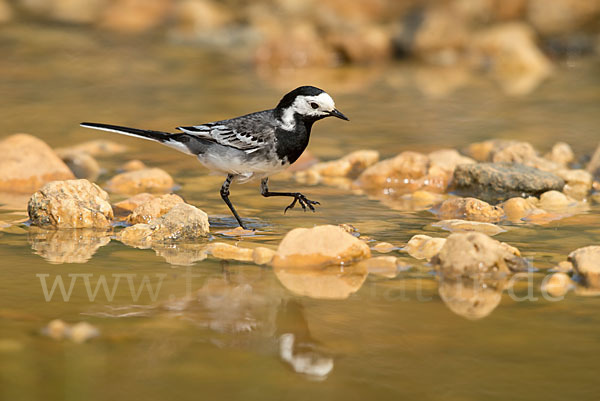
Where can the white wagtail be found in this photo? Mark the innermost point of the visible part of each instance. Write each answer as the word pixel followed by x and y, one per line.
pixel 255 145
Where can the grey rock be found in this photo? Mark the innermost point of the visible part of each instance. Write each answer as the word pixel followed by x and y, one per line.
pixel 496 182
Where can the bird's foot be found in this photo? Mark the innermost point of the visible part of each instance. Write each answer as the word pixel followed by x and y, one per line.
pixel 303 201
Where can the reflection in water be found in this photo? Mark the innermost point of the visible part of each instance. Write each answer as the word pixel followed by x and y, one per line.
pixel 296 345
pixel 471 297
pixel 181 254
pixel 306 361
pixel 67 246
pixel 245 308
pixel 331 282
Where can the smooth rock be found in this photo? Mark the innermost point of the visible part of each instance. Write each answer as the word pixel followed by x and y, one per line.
pixel 515 209
pixel 133 165
pixel 262 255
pixel 469 209
pixel 96 148
pixel 319 246
pixel 557 285
pixel 554 200
pixel 586 262
pixel 467 254
pixel 153 208
pixel 81 164
pixel 126 206
pixel 148 180
pixel 564 267
pixel 383 247
pixel 70 204
pixel 27 163
pixel 225 251
pixel 500 181
pixel 578 183
pixel 423 246
pixel 457 225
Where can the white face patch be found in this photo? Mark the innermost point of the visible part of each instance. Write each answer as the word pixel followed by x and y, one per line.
pixel 304 105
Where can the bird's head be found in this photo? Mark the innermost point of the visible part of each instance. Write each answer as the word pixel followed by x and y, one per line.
pixel 309 103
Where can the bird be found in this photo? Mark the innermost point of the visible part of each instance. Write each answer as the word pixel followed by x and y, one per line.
pixel 255 145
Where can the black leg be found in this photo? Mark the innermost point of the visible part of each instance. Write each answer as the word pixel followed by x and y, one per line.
pixel 298 197
pixel 225 196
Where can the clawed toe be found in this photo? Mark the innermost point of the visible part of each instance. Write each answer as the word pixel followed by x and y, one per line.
pixel 303 201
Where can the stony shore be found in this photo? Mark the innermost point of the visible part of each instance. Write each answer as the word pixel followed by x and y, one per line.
pixel 70 219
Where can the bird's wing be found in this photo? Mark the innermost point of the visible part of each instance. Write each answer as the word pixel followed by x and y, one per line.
pixel 248 133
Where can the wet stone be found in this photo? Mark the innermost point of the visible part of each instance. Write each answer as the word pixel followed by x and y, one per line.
pixel 586 262
pixel 470 209
pixel 182 222
pixel 467 254
pixel 457 225
pixel 423 246
pixel 319 246
pixel 496 182
pixel 70 204
pixel 153 208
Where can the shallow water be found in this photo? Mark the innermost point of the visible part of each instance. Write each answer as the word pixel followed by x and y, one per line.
pixel 214 329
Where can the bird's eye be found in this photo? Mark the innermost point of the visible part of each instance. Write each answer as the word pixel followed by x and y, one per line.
pixel 314 105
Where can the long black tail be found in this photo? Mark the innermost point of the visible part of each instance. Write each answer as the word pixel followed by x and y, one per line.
pixel 176 141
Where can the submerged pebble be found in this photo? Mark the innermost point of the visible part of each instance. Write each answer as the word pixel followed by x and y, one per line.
pixel 457 225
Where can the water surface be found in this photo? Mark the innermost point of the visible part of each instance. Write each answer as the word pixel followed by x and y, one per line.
pixel 213 329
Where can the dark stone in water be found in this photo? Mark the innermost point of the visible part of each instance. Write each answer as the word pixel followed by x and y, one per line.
pixel 496 182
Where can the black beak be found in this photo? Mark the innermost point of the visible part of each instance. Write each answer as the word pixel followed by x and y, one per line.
pixel 336 113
